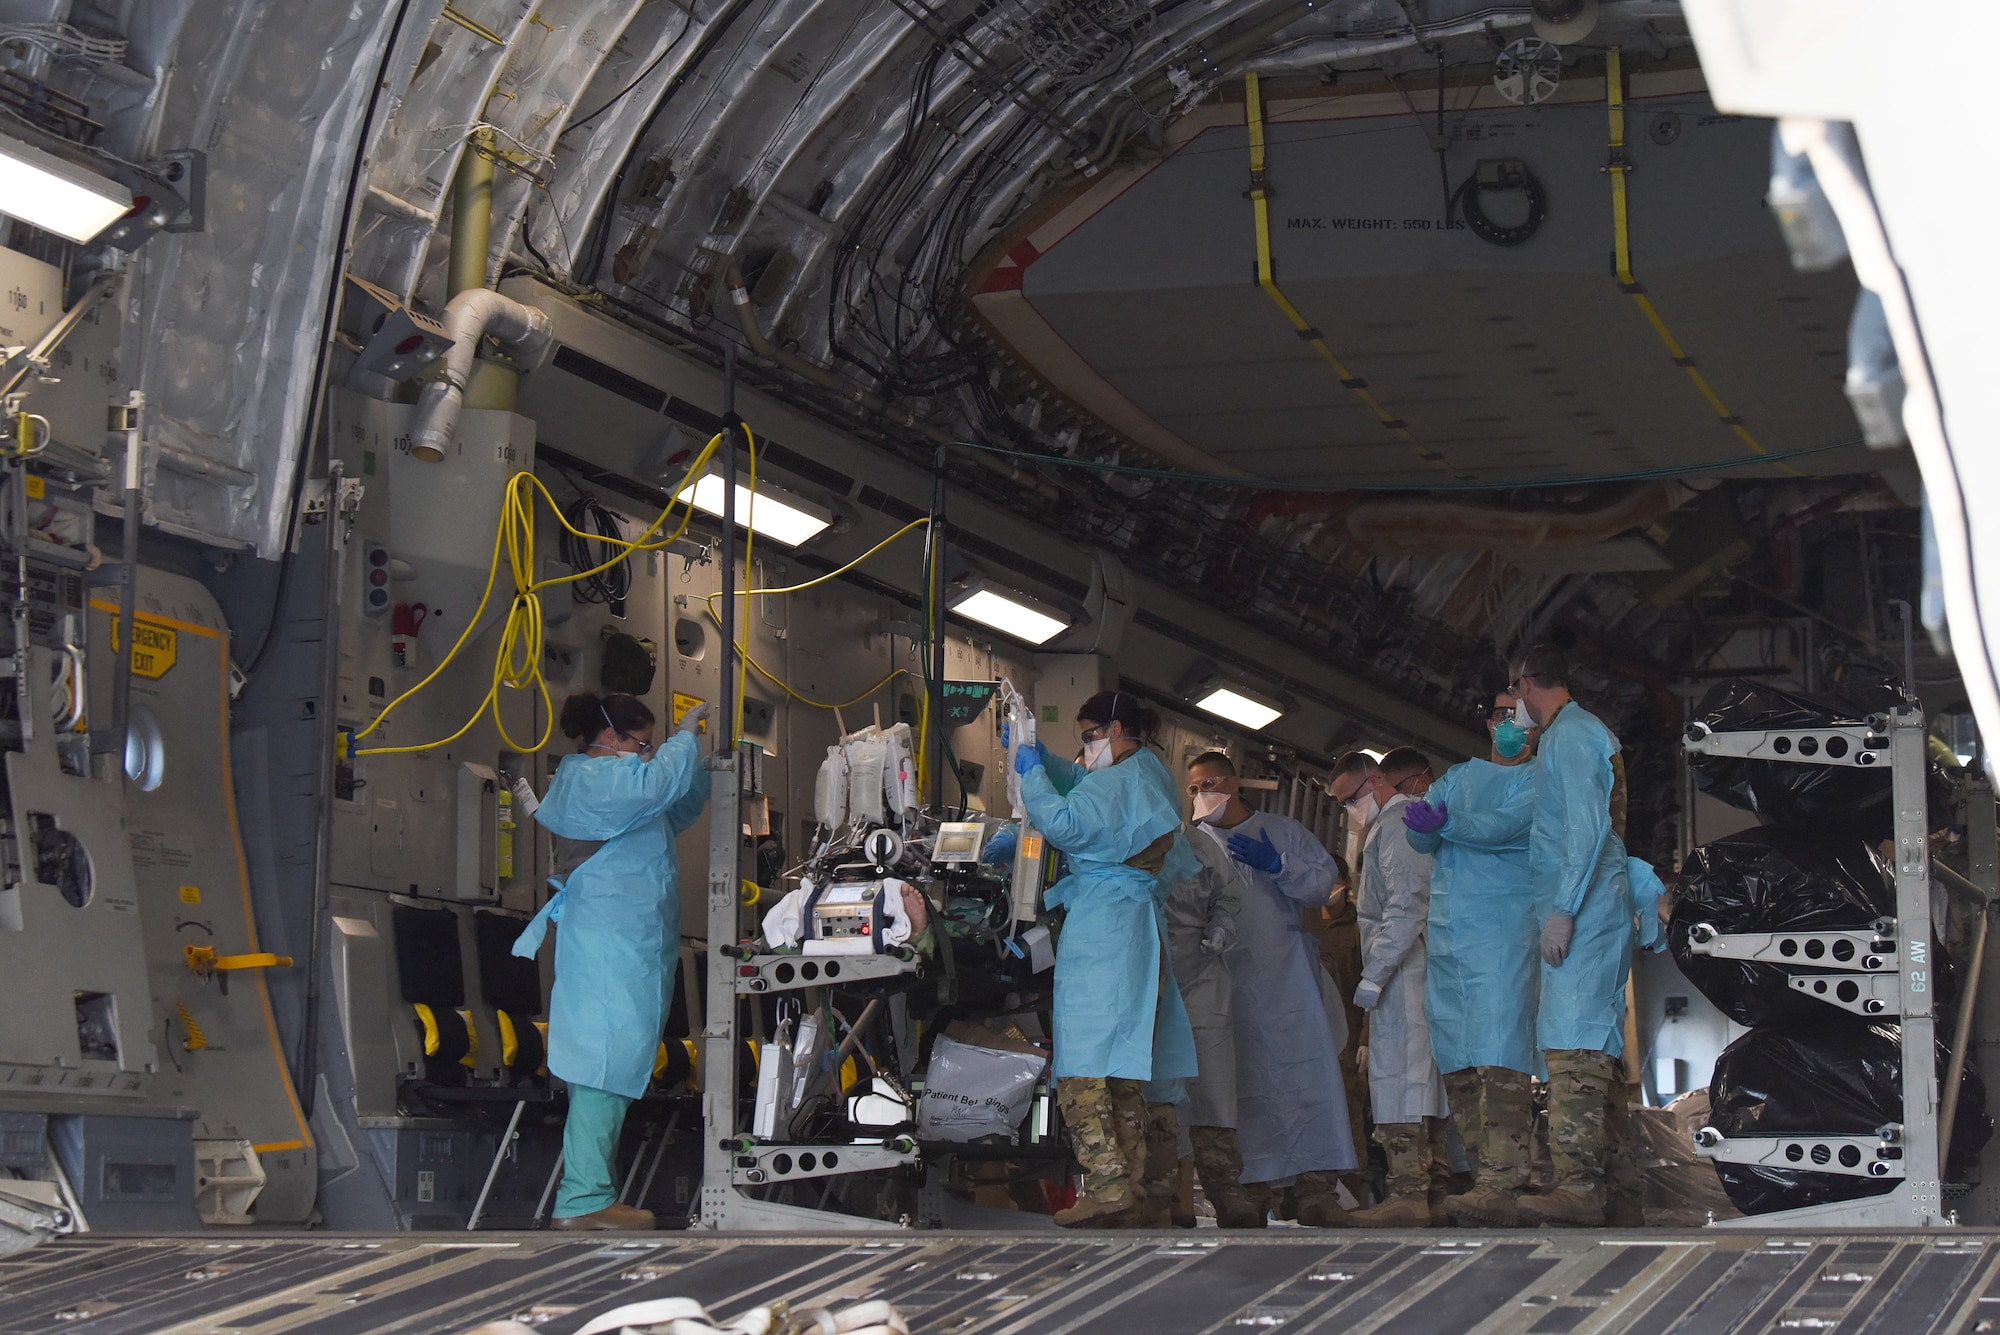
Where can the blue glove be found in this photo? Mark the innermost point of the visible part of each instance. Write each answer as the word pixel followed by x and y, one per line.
pixel 1027 758
pixel 1426 817
pixel 999 850
pixel 1258 854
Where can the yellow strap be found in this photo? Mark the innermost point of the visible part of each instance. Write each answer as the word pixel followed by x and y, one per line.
pixel 1260 205
pixel 430 1024
pixel 510 1042
pixel 1621 232
pixel 471 1058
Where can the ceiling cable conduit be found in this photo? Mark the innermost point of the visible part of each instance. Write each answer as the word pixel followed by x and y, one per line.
pixel 1314 53
pixel 760 344
pixel 1418 527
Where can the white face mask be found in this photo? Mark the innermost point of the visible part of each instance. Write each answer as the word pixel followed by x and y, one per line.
pixel 1097 754
pixel 1521 715
pixel 1209 805
pixel 1365 810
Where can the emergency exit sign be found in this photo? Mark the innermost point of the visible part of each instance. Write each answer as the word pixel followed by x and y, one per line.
pixel 155 648
pixel 964 701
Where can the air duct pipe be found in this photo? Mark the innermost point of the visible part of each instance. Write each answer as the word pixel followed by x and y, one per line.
pixel 474 314
pixel 524 334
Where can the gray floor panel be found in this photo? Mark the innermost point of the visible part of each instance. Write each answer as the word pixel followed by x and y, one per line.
pixel 1290 1282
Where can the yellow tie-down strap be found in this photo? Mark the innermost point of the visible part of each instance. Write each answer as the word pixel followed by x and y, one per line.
pixel 1621 231
pixel 1260 203
pixel 204 961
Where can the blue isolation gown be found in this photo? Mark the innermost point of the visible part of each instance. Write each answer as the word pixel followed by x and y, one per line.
pixel 1112 956
pixel 1578 865
pixel 1485 939
pixel 620 910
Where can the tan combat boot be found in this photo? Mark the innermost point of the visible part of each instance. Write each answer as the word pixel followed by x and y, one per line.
pixel 1408 1211
pixel 1561 1208
pixel 1485 1206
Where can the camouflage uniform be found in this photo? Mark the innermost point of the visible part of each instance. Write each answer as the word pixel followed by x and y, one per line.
pixel 1419 1158
pixel 1495 1111
pixel 1584 1088
pixel 1107 1119
pixel 1160 1178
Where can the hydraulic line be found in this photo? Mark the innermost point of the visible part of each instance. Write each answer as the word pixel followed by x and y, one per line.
pixel 1616 168
pixel 1260 202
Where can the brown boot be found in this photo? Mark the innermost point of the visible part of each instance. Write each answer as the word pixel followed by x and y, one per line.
pixel 612 1218
pixel 1240 1212
pixel 1093 1212
pixel 1484 1207
pixel 1148 1213
pixel 1411 1211
pixel 1561 1208
pixel 1323 1211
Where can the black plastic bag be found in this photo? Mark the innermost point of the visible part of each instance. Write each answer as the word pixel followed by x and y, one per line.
pixel 1787 792
pixel 1774 879
pixel 1838 1077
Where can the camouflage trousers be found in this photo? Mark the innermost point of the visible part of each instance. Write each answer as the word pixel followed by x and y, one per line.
pixel 1591 1141
pixel 1495 1111
pixel 1128 1148
pixel 1419 1159
pixel 1218 1163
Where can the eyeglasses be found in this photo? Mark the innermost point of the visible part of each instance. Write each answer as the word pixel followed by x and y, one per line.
pixel 1424 775
pixel 1353 797
pixel 1499 712
pixel 1200 786
pixel 1096 733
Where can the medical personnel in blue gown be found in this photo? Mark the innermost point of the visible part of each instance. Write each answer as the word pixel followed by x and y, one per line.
pixel 1291 1107
pixel 615 808
pixel 1119 1020
pixel 1484 979
pixel 1584 901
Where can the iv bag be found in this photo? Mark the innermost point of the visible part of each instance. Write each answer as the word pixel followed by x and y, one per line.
pixel 830 790
pixel 899 772
pixel 867 759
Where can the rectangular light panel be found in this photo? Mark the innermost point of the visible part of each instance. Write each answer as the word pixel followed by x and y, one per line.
pixel 44 191
pixel 1004 614
pixel 770 518
pixel 1225 703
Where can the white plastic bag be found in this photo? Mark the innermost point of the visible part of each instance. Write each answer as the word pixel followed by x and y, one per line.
pixel 970 1092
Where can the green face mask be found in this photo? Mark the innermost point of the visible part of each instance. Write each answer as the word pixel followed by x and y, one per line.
pixel 1510 738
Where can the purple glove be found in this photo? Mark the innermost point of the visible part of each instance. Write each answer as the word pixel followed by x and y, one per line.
pixel 1426 817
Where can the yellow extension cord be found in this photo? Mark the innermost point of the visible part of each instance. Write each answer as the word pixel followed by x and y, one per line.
pixel 517 663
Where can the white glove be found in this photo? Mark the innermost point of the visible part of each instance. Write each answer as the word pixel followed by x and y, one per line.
pixel 524 796
pixel 1368 995
pixel 694 718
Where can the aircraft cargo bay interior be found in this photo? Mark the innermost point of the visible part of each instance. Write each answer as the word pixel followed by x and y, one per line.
pixel 996 666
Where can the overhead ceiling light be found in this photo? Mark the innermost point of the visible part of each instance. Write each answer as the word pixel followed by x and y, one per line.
pixel 1012 613
pixel 779 517
pixel 1237 707
pixel 55 194
pixel 1373 755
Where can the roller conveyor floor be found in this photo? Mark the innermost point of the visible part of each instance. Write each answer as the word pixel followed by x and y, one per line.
pixel 1647 1283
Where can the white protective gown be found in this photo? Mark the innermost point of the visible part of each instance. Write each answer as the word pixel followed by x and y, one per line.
pixel 1291 1108
pixel 1201 927
pixel 1394 907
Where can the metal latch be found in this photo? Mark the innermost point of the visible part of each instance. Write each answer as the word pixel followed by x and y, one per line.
pixel 1864 745
pixel 1878 1156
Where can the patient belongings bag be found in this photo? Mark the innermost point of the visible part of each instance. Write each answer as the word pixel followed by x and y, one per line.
pixel 971 1092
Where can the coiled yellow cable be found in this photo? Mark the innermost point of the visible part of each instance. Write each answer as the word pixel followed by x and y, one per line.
pixel 517 664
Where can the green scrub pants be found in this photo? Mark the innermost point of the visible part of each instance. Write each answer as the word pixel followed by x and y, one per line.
pixel 590 1151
